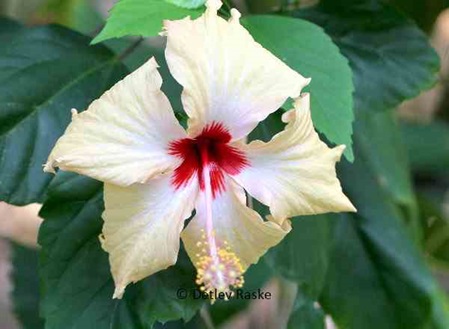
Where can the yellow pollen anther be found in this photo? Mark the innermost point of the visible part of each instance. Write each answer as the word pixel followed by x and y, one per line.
pixel 220 273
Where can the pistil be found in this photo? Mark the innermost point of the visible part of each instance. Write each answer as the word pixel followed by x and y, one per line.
pixel 219 269
pixel 210 234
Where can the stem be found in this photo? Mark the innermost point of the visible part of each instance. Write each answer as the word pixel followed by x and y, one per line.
pixel 205 316
pixel 287 296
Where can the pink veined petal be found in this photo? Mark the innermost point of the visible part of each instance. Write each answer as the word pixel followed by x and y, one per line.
pixel 228 78
pixel 123 137
pixel 142 226
pixel 294 174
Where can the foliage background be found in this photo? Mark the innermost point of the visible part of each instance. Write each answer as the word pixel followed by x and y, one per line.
pixel 374 269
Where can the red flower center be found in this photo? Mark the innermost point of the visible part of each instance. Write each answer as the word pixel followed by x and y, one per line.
pixel 210 148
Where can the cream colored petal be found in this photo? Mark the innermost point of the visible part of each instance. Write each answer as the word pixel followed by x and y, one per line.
pixel 245 232
pixel 226 75
pixel 142 226
pixel 294 174
pixel 123 136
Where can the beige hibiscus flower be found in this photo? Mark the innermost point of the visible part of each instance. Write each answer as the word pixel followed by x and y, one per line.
pixel 156 173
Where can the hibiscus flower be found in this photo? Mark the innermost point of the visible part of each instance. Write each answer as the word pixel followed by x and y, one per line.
pixel 155 173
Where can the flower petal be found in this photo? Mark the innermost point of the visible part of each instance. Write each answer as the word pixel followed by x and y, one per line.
pixel 142 226
pixel 240 227
pixel 294 174
pixel 123 136
pixel 227 77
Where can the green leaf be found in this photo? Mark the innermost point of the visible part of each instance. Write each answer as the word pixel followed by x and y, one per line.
pixel 306 314
pixel 191 4
pixel 44 72
pixel 313 54
pixel 377 277
pixel 355 294
pixel 303 256
pixel 380 143
pixel 141 18
pixel 76 283
pixel 8 26
pixel 158 300
pixel 25 295
pixel 266 129
pixel 373 36
pixel 427 146
pixel 75 275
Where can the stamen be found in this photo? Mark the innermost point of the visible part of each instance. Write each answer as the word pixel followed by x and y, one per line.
pixel 219 269
pixel 219 272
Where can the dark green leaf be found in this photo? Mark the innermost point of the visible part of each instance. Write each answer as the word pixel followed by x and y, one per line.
pixel 377 277
pixel 44 72
pixel 266 129
pixel 25 295
pixel 74 270
pixel 380 143
pixel 303 256
pixel 75 275
pixel 141 18
pixel 428 147
pixel 355 294
pixel 390 57
pixel 158 300
pixel 313 54
pixel 8 26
